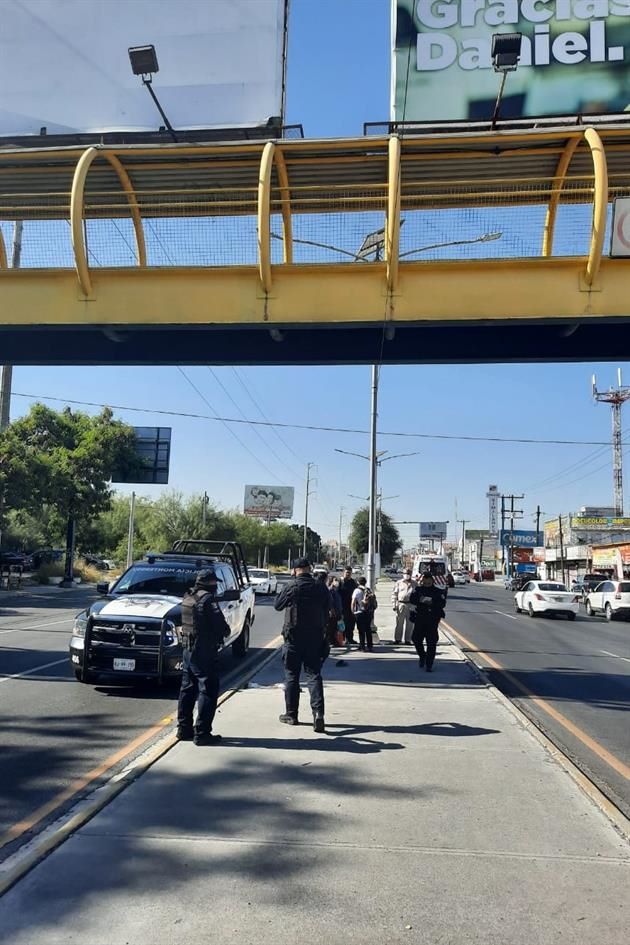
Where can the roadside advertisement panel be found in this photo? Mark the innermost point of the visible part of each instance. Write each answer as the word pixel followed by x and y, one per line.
pixel 64 64
pixel 435 530
pixel 583 523
pixel 604 557
pixel 520 539
pixel 269 502
pixel 573 58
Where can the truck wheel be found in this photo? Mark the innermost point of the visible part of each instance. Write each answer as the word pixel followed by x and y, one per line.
pixel 241 645
pixel 87 677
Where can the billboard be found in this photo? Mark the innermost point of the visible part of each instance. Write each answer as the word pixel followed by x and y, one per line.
pixel 574 58
pixel 153 449
pixel 604 522
pixel 492 496
pixel 522 539
pixel 269 502
pixel 435 530
pixel 64 64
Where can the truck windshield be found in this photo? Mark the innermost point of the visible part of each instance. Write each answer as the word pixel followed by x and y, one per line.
pixel 152 579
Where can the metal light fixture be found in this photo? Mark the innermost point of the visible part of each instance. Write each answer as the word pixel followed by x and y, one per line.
pixel 506 52
pixel 144 63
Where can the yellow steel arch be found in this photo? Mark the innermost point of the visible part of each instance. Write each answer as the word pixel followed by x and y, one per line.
pixel 76 219
pixel 558 184
pixel 285 204
pixel 600 205
pixel 392 242
pixel 127 186
pixel 264 221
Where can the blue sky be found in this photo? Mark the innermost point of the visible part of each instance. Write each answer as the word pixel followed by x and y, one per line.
pixel 338 77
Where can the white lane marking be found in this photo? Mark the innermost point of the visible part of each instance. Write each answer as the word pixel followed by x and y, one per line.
pixel 36 669
pixel 37 626
pixel 511 616
pixel 616 656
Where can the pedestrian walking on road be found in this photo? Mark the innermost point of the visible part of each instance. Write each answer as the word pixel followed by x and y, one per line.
pixel 402 608
pixel 428 603
pixel 363 607
pixel 306 606
pixel 203 630
pixel 347 587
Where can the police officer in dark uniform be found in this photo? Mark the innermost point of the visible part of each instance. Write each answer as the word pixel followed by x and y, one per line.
pixel 428 602
pixel 203 630
pixel 306 603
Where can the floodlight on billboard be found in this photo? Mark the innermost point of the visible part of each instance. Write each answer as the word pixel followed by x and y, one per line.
pixel 64 64
pixel 269 502
pixel 572 58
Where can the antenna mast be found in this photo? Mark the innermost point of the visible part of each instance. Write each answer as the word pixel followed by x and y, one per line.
pixel 616 397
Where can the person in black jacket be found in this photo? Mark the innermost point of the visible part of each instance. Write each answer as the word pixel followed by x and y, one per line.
pixel 306 606
pixel 203 630
pixel 347 587
pixel 428 603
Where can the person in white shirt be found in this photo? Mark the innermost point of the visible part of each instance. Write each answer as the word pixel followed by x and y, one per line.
pixel 400 602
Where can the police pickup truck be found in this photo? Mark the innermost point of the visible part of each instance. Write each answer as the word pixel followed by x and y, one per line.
pixel 134 630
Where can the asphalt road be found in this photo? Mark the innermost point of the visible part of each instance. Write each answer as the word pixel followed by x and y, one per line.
pixel 571 678
pixel 54 730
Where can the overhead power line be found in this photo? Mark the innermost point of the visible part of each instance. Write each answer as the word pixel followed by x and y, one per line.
pixel 315 427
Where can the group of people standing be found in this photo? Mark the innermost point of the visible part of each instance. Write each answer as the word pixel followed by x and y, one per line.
pixel 319 612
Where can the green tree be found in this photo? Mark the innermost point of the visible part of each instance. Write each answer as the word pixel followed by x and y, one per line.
pixel 63 460
pixel 390 537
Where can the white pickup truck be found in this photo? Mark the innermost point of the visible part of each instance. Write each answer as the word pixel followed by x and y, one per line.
pixel 133 631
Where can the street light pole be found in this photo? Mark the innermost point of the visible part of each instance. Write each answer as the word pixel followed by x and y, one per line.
pixel 309 466
pixel 371 558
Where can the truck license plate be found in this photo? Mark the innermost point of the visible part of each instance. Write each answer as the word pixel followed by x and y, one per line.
pixel 128 665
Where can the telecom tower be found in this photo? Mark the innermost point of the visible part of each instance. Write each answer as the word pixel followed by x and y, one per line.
pixel 616 397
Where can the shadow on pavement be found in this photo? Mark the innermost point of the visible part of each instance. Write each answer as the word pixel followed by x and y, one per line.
pixel 448 729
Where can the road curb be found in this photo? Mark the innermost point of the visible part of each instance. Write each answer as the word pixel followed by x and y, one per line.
pixel 618 819
pixel 52 838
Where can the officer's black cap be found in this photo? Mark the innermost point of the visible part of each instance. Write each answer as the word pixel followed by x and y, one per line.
pixel 206 578
pixel 302 563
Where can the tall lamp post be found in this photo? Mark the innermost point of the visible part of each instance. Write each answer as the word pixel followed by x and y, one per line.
pixel 375 459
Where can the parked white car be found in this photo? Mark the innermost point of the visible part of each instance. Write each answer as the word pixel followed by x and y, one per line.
pixel 263 581
pixel 459 578
pixel 611 598
pixel 546 597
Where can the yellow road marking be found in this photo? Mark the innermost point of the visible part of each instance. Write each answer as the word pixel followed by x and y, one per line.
pixel 566 723
pixel 22 826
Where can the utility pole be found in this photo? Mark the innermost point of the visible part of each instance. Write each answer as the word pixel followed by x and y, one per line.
pixel 502 533
pixel 6 370
pixel 371 555
pixel 616 397
pixel 309 466
pixel 561 546
pixel 204 509
pixel 463 522
pixel 341 511
pixel 513 513
pixel 538 514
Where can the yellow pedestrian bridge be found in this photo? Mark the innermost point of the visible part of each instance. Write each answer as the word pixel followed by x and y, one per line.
pixel 439 244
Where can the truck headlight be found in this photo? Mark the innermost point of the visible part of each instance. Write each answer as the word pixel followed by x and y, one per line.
pixel 172 634
pixel 80 624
